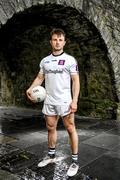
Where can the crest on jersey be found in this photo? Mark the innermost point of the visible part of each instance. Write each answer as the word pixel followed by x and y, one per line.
pixel 61 62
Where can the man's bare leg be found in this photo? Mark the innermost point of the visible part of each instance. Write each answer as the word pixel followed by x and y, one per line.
pixel 70 126
pixel 51 124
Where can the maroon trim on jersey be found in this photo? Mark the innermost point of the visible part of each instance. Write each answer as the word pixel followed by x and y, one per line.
pixel 76 67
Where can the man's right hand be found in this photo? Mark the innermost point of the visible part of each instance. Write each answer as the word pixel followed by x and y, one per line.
pixel 29 92
pixel 38 81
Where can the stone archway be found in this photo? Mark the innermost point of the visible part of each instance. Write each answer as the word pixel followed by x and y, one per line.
pixel 104 15
pixel 55 14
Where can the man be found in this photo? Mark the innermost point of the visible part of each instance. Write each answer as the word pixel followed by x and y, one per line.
pixel 58 69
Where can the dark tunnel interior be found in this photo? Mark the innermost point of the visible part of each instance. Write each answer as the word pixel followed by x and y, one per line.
pixel 24 41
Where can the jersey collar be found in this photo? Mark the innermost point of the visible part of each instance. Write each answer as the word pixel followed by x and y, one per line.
pixel 58 54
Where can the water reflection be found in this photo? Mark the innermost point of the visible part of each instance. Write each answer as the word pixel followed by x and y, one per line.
pixel 28 174
pixel 59 174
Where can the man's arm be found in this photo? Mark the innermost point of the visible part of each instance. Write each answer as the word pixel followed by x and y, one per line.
pixel 75 91
pixel 37 81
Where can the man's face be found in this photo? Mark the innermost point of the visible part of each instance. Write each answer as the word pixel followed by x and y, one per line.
pixel 57 42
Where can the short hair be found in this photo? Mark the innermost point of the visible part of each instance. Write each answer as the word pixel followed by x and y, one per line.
pixel 57 31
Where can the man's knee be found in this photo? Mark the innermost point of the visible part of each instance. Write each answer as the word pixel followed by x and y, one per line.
pixel 50 127
pixel 70 128
pixel 51 123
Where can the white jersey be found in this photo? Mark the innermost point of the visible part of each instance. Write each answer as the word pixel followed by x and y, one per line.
pixel 57 71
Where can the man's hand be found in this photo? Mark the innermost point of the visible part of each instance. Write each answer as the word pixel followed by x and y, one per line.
pixel 38 81
pixel 73 107
pixel 29 92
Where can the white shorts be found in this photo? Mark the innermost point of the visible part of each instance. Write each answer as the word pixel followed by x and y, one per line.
pixel 51 110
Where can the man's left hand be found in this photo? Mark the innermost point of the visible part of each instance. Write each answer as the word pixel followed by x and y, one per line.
pixel 73 107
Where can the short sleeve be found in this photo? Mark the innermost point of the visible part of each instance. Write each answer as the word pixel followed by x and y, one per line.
pixel 41 67
pixel 73 66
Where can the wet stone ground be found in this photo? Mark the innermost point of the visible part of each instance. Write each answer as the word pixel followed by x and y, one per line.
pixel 23 143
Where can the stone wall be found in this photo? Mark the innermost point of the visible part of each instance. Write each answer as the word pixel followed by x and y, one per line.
pixel 103 14
pixel 93 37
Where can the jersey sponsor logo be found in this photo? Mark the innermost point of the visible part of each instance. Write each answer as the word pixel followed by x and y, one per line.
pixel 61 62
pixel 54 71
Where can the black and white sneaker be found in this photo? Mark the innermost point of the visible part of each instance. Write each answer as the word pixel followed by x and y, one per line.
pixel 73 169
